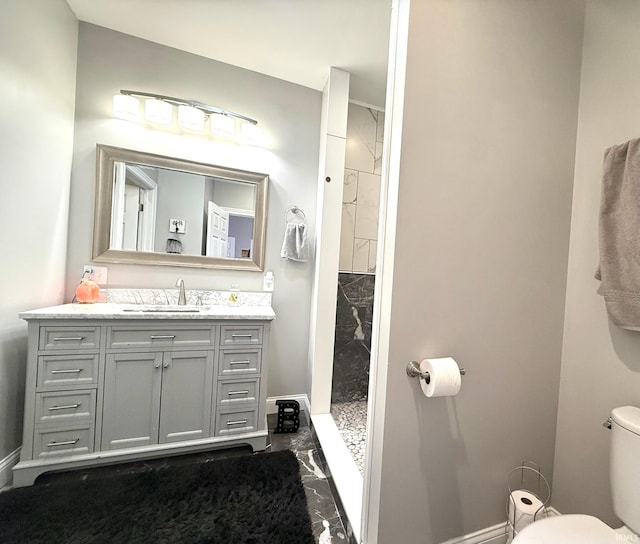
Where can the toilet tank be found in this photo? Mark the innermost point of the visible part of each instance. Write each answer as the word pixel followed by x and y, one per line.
pixel 625 465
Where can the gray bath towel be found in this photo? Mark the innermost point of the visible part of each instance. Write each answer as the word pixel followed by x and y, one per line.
pixel 619 269
pixel 294 245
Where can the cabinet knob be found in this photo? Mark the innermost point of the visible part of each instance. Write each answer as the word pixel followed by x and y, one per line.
pixel 165 364
pixel 157 365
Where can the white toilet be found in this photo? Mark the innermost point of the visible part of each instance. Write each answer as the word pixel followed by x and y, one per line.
pixel 625 486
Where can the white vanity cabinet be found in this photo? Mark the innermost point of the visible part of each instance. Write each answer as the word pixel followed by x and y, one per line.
pixel 112 389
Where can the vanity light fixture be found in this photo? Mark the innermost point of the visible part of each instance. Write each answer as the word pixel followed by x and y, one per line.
pixel 191 115
pixel 222 125
pixel 250 134
pixel 157 111
pixel 126 107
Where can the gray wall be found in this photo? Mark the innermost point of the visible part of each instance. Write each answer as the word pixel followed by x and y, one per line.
pixel 241 228
pixel 38 41
pixel 233 194
pixel 484 203
pixel 600 362
pixel 180 196
pixel 290 117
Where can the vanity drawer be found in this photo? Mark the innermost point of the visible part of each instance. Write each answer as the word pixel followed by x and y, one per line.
pixel 233 392
pixel 232 335
pixel 236 422
pixel 59 443
pixel 66 370
pixel 234 362
pixel 155 336
pixel 68 338
pixel 65 407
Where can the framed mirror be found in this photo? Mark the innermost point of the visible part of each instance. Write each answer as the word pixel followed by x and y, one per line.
pixel 157 210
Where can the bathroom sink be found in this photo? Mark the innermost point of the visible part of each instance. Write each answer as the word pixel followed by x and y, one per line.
pixel 169 308
pixel 163 310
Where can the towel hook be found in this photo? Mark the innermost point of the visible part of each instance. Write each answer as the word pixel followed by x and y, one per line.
pixel 294 210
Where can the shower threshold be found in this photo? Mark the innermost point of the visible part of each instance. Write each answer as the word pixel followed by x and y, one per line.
pixel 351 419
pixel 345 473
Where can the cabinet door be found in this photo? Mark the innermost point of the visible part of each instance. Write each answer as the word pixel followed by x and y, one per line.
pixel 185 409
pixel 131 400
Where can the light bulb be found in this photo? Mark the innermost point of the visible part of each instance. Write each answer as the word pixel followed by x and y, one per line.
pixel 191 118
pixel 250 133
pixel 222 125
pixel 158 111
pixel 126 107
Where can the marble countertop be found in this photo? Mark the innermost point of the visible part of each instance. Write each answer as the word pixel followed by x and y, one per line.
pixel 150 311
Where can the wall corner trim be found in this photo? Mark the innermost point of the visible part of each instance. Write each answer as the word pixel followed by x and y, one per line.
pixel 6 466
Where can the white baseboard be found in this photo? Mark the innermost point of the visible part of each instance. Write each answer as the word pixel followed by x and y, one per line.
pixel 497 534
pixel 344 471
pixel 301 398
pixel 6 465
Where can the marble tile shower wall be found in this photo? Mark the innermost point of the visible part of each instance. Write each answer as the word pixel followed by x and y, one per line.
pixel 361 196
pixel 352 349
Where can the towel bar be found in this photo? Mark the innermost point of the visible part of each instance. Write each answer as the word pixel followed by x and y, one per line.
pixel 413 371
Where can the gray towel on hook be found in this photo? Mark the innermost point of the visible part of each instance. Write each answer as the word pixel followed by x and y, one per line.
pixel 294 245
pixel 619 269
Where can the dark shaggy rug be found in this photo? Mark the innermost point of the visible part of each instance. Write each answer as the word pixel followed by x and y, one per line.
pixel 257 499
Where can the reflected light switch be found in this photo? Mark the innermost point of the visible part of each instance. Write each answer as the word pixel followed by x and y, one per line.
pixel 177 225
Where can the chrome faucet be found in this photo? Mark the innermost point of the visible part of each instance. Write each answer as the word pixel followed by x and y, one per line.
pixel 182 298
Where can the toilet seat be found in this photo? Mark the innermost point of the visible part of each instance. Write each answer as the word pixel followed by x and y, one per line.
pixel 568 529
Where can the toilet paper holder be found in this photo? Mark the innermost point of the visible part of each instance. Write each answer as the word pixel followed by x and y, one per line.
pixel 535 485
pixel 413 371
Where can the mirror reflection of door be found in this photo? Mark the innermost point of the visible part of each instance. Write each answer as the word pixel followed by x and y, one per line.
pixel 238 200
pixel 130 217
pixel 134 208
pixel 217 230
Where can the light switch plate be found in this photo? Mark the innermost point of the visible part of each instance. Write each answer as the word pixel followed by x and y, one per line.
pixel 177 225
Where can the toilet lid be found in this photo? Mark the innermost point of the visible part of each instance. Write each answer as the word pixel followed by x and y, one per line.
pixel 568 529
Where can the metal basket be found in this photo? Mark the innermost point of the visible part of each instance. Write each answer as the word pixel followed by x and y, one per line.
pixel 532 480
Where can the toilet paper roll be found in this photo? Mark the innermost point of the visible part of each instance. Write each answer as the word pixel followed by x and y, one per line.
pixel 444 377
pixel 522 508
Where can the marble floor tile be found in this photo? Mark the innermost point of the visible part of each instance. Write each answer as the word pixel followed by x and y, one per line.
pixel 320 502
pixel 311 466
pixel 330 531
pixel 302 440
